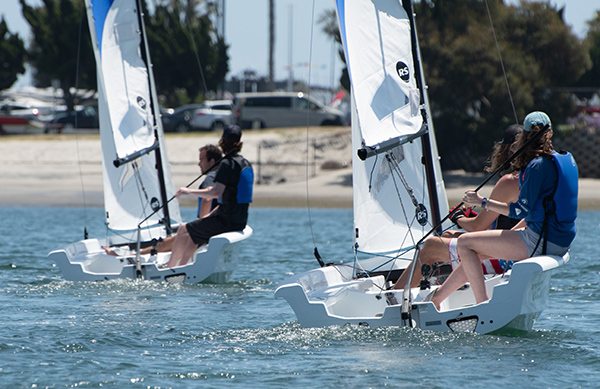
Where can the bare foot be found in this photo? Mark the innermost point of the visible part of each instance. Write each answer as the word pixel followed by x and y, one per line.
pixel 109 251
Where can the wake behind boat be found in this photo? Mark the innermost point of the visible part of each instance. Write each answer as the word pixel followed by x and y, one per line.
pixel 399 198
pixel 140 207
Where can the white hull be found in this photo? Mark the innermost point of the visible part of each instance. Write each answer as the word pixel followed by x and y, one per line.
pixel 87 261
pixel 328 296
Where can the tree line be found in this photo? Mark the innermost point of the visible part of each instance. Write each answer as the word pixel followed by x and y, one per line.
pixel 189 58
pixel 472 101
pixel 474 95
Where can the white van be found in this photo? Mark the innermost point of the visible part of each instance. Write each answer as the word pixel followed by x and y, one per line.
pixel 283 109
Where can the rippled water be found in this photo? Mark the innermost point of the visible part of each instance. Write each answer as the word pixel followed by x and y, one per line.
pixel 55 333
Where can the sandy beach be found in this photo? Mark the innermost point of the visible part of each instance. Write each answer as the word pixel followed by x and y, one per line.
pixel 65 170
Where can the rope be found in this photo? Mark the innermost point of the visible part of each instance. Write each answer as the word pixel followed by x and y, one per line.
pixel 512 103
pixel 191 31
pixel 310 223
pixel 144 201
pixel 85 233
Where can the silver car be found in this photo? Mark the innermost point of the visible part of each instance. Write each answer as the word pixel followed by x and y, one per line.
pixel 212 115
pixel 283 109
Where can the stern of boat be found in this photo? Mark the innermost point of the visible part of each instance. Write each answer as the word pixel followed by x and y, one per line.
pixel 516 301
pixel 213 262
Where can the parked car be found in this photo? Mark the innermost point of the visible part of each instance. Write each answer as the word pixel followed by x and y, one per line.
pixel 28 109
pixel 213 115
pixel 84 118
pixel 179 119
pixel 283 109
pixel 210 115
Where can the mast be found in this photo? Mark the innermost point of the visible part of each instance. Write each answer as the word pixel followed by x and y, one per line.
pixel 426 140
pixel 154 106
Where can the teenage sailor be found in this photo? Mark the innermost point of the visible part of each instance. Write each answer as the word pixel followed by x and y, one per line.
pixel 547 202
pixel 233 184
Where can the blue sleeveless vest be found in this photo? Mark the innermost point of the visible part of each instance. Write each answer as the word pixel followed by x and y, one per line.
pixel 246 182
pixel 565 195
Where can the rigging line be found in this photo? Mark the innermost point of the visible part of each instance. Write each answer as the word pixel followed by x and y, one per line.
pixel 310 223
pixel 512 103
pixel 141 189
pixel 197 58
pixel 372 170
pixel 85 233
pixel 396 166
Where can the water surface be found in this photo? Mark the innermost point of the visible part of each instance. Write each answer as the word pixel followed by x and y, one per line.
pixel 55 333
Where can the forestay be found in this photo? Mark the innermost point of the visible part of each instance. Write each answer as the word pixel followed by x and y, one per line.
pixel 129 118
pixel 398 194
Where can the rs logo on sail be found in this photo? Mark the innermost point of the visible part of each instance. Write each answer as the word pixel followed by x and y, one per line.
pixel 403 71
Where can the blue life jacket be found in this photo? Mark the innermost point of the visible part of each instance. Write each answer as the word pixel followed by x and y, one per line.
pixel 246 182
pixel 567 187
pixel 564 194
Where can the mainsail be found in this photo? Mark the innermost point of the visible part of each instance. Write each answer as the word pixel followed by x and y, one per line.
pixel 398 191
pixel 137 178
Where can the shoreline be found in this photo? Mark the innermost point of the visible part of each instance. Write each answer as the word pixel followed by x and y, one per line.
pixel 57 170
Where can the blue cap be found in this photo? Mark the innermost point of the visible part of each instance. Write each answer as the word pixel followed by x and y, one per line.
pixel 536 118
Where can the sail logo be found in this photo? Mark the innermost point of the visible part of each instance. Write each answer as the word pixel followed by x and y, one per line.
pixel 403 71
pixel 154 204
pixel 141 102
pixel 421 214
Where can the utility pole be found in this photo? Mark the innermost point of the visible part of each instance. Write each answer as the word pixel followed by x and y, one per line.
pixel 271 45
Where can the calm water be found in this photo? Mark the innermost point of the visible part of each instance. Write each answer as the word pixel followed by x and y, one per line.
pixel 55 333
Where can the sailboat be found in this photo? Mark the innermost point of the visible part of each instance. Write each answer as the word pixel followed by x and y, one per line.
pixel 400 198
pixel 138 190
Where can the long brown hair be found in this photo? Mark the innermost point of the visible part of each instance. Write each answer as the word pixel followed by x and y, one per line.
pixel 230 147
pixel 502 150
pixel 542 145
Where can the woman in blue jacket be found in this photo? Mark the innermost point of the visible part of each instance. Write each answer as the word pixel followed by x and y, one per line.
pixel 547 203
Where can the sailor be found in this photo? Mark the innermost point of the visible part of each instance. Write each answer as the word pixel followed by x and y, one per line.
pixel 441 249
pixel 208 156
pixel 233 184
pixel 547 202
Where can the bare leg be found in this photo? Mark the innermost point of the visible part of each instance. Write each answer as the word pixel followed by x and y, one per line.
pixel 188 252
pixel 472 247
pixel 435 249
pixel 181 246
pixel 163 246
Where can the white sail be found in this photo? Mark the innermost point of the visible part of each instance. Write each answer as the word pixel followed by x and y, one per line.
pixel 397 197
pixel 377 42
pixel 129 118
pixel 137 179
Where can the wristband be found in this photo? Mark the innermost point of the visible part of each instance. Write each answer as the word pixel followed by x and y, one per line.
pixel 484 202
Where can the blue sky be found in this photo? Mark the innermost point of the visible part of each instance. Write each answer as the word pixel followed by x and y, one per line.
pixel 246 30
